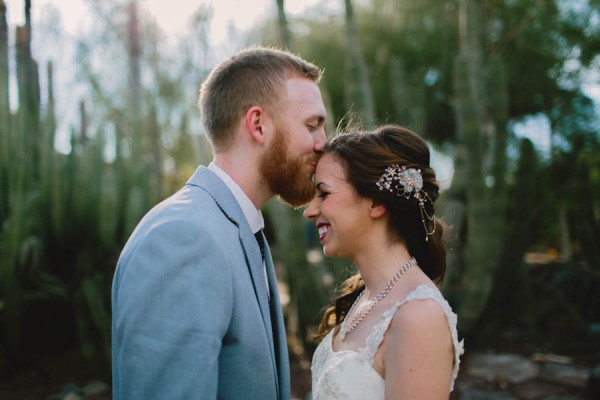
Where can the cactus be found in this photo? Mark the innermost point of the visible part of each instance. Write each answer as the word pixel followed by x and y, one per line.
pixel 22 218
pixel 511 278
pixel 358 87
pixel 64 218
pixel 5 134
pixel 486 205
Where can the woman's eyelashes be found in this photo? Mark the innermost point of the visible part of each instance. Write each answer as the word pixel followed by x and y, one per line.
pixel 323 195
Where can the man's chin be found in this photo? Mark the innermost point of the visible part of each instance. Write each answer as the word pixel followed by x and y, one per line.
pixel 299 198
pixel 294 202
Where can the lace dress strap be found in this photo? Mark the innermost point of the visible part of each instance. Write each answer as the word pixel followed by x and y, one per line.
pixel 420 293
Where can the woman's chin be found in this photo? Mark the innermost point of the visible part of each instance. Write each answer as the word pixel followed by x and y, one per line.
pixel 331 251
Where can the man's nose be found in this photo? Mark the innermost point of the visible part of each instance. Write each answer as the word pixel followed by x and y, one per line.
pixel 320 141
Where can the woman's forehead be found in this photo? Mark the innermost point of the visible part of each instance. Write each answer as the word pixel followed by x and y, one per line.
pixel 329 168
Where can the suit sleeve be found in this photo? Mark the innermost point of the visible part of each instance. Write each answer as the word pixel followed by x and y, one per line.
pixel 172 303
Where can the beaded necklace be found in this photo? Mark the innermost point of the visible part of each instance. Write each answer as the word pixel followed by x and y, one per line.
pixel 349 326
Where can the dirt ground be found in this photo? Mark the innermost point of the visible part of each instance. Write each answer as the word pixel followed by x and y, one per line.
pixel 482 377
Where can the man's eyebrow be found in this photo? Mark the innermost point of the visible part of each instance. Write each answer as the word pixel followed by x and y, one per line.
pixel 319 119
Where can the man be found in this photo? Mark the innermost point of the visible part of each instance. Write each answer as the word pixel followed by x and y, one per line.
pixel 196 312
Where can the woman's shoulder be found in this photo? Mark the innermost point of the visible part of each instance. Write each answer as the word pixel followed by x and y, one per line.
pixel 420 292
pixel 422 306
pixel 404 310
pixel 419 312
pixel 424 321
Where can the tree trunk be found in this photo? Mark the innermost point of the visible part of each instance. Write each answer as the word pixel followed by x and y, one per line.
pixel 408 93
pixel 284 31
pixel 510 291
pixel 477 280
pixel 138 199
pixel 155 157
pixel 135 54
pixel 5 131
pixel 22 180
pixel 453 209
pixel 291 251
pixel 565 237
pixel 358 87
pixel 497 113
pixel 47 153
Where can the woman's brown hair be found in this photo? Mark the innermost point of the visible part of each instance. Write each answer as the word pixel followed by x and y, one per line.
pixel 365 156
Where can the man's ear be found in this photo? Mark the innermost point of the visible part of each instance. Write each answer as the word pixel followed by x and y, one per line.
pixel 377 209
pixel 254 119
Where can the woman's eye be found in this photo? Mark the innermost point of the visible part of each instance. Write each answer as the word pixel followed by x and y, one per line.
pixel 323 195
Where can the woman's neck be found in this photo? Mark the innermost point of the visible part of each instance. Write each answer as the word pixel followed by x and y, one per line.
pixel 380 263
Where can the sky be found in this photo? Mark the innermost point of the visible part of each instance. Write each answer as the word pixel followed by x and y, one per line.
pixel 173 19
pixel 241 14
pixel 172 16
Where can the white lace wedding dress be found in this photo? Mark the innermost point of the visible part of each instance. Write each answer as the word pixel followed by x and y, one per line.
pixel 350 374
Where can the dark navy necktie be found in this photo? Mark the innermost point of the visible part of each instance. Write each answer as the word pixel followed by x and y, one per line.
pixel 261 243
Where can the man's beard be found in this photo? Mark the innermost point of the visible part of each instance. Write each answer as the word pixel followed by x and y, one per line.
pixel 285 175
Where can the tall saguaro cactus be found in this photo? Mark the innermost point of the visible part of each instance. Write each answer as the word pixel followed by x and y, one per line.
pixel 408 93
pixel 64 218
pixel 358 87
pixel 138 199
pixel 23 173
pixel 5 132
pixel 284 30
pixel 485 202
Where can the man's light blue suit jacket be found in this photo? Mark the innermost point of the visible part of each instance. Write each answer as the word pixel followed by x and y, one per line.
pixel 191 313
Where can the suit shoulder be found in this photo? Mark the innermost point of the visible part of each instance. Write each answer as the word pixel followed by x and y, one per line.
pixel 189 216
pixel 190 205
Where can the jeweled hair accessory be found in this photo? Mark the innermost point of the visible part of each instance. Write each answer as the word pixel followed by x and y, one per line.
pixel 407 182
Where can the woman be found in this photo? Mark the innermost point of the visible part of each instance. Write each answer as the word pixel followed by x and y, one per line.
pixel 390 333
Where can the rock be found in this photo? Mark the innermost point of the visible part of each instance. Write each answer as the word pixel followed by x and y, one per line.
pixel 535 390
pixel 94 388
pixel 510 368
pixel 593 383
pixel 565 374
pixel 71 392
pixel 476 394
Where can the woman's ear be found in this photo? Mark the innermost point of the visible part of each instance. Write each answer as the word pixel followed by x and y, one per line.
pixel 377 209
pixel 254 120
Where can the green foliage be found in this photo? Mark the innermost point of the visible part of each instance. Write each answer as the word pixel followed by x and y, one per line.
pixel 64 218
pixel 531 57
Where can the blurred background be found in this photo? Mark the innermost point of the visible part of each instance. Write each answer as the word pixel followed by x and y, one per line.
pixel 98 123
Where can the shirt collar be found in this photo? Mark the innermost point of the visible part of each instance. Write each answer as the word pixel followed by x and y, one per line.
pixel 253 216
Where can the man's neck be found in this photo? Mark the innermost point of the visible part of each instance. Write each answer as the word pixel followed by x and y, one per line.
pixel 246 174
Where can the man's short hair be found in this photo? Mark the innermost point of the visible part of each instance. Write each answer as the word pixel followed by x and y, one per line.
pixel 253 77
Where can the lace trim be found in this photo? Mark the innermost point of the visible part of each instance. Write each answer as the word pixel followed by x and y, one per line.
pixel 420 293
pixel 367 353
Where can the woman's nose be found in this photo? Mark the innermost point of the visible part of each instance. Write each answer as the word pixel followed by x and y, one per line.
pixel 312 210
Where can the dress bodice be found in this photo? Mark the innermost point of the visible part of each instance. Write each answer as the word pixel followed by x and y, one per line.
pixel 350 374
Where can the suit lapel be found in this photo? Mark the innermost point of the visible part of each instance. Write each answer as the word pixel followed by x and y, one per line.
pixel 255 265
pixel 280 338
pixel 216 188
